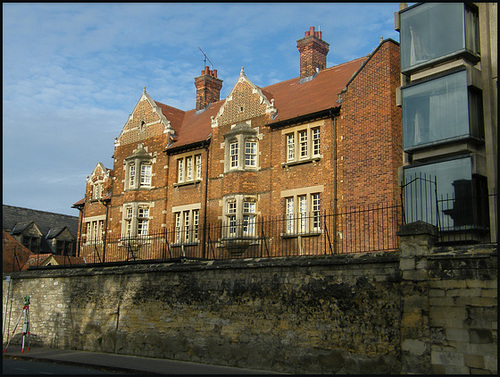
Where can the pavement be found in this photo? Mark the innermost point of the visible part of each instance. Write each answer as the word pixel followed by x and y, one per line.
pixel 122 363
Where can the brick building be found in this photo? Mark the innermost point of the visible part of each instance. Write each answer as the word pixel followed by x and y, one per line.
pixel 208 179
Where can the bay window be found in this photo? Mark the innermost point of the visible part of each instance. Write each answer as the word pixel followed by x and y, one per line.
pixel 240 215
pixel 431 32
pixel 447 194
pixel 135 221
pixel 440 110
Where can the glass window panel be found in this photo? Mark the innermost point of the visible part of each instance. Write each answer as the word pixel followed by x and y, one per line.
pixel 198 166
pixel 454 183
pixel 435 110
pixel 289 214
pixel 189 168
pixel 316 141
pixel 234 154
pixel 250 153
pixel 180 170
pixel 429 31
pixel 303 143
pixel 290 142
pixel 145 175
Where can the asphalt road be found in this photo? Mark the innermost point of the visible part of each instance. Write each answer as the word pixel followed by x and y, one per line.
pixel 26 366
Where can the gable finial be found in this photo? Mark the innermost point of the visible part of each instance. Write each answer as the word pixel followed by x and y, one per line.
pixel 144 90
pixel 242 72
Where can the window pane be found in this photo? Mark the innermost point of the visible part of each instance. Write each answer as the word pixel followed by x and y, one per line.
pixel 250 153
pixel 430 31
pixel 145 175
pixel 180 170
pixel 178 228
pixel 303 143
pixel 189 168
pixel 234 154
pixel 196 221
pixel 435 110
pixel 198 166
pixel 454 184
pixel 316 141
pixel 316 211
pixel 290 142
pixel 303 212
pixel 131 175
pixel 289 215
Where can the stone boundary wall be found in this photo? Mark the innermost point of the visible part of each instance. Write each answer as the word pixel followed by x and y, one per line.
pixel 421 310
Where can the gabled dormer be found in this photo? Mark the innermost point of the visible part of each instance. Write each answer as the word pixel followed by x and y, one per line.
pixel 99 183
pixel 147 120
pixel 246 101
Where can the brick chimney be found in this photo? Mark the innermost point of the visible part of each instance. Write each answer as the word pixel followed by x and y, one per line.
pixel 208 88
pixel 313 51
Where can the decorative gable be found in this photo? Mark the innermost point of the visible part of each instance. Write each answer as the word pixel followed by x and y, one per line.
pixel 100 173
pixel 146 121
pixel 246 101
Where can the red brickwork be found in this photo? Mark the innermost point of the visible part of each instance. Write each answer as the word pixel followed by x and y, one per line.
pixel 360 151
pixel 208 88
pixel 313 51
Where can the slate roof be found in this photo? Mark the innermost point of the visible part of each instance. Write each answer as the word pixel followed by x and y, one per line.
pixel 292 98
pixel 45 221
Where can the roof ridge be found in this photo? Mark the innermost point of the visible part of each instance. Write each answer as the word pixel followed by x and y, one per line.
pixel 38 210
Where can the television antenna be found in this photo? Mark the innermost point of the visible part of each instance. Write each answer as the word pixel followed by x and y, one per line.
pixel 206 58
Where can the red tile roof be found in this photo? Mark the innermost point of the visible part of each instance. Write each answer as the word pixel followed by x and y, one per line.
pixel 14 254
pixel 290 98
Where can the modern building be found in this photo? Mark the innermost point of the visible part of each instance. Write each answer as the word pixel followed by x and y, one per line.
pixel 209 178
pixel 449 81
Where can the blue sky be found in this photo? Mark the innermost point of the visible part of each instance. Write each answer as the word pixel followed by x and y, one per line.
pixel 72 73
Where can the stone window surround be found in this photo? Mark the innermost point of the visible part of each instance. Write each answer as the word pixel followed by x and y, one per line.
pixel 89 221
pixel 239 200
pixel 197 174
pixel 308 192
pixel 138 159
pixel 240 133
pixel 311 157
pixel 191 208
pixel 134 219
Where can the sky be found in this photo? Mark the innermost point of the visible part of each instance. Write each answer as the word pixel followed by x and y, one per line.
pixel 72 73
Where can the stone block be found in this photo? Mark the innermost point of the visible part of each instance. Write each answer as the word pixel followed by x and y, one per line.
pixel 447 358
pixel 480 336
pixel 489 293
pixel 407 263
pixel 476 283
pixel 461 335
pixel 447 284
pixel 474 361
pixel 414 347
pixel 437 292
pixel 418 275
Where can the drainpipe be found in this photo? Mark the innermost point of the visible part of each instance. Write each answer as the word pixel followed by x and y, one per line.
pixel 204 247
pixel 105 232
pixel 334 182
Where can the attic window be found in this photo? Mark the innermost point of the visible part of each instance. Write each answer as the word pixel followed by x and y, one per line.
pixel 241 109
pixel 142 126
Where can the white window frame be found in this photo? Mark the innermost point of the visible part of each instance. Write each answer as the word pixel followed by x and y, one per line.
pixel 241 146
pixel 146 170
pixel 303 211
pixel 94 227
pixel 187 224
pixel 240 216
pixel 189 169
pixel 136 218
pixel 303 143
